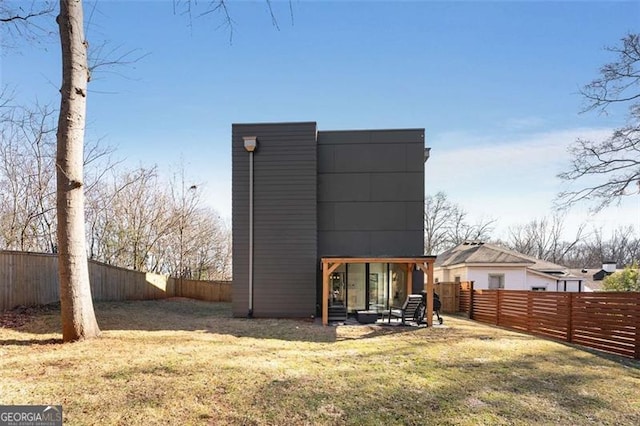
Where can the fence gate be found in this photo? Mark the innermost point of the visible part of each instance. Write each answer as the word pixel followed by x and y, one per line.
pixel 449 293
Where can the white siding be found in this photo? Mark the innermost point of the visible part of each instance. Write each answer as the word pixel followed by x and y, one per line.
pixel 536 280
pixel 515 278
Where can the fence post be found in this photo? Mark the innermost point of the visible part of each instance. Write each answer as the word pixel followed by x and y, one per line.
pixel 529 309
pixel 570 317
pixel 498 297
pixel 637 353
pixel 470 299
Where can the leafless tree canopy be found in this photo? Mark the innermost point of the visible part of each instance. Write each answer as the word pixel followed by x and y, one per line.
pixel 135 218
pixel 446 225
pixel 544 239
pixel 25 20
pixel 608 170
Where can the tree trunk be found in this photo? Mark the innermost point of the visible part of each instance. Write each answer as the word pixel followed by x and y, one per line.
pixel 78 318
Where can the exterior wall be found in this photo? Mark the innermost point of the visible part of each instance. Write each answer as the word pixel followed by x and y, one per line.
pixel 449 275
pixel 550 284
pixel 371 193
pixel 515 278
pixel 285 219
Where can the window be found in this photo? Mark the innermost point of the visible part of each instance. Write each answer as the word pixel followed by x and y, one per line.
pixel 538 289
pixel 496 281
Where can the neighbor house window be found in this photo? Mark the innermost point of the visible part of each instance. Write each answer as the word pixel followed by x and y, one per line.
pixel 496 281
pixel 538 288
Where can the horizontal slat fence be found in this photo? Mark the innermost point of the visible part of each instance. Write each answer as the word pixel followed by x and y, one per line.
pixel 485 306
pixel 607 321
pixel 30 279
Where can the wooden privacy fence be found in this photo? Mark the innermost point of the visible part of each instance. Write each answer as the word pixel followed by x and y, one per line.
pixel 607 321
pixel 212 291
pixel 449 293
pixel 30 279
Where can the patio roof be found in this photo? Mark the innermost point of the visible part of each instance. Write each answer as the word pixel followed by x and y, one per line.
pixel 424 263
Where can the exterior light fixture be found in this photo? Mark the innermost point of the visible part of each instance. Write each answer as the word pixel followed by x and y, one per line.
pixel 250 143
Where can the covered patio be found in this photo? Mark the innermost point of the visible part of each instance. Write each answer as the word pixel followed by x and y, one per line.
pixel 422 263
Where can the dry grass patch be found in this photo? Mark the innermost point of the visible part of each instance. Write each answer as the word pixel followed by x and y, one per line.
pixel 188 362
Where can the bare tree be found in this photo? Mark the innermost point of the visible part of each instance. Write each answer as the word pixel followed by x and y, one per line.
pixel 446 225
pixel 27 196
pixel 24 20
pixel 544 239
pixel 621 247
pixel 78 317
pixel 609 169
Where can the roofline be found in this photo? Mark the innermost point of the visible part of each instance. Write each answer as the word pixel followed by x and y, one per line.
pixel 271 123
pixel 378 259
pixel 486 264
pixel 544 274
pixel 415 129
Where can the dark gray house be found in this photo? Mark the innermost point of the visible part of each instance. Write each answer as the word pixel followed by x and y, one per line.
pixel 307 201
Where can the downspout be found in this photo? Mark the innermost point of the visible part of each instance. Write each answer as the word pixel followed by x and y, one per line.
pixel 250 144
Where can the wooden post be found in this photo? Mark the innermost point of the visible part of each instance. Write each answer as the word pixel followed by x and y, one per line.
pixel 470 300
pixel 325 293
pixel 498 297
pixel 409 278
pixel 428 286
pixel 637 353
pixel 327 270
pixel 570 317
pixel 529 310
pixel 430 294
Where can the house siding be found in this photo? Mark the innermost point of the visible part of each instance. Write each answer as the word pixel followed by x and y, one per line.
pixel 371 193
pixel 285 219
pixel 514 278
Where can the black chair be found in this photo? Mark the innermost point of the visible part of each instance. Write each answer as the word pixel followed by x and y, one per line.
pixel 437 305
pixel 408 311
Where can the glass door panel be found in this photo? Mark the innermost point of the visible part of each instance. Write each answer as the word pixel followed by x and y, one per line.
pixel 356 284
pixel 338 287
pixel 398 284
pixel 378 287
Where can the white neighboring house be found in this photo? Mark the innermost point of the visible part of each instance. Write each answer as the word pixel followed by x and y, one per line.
pixel 493 267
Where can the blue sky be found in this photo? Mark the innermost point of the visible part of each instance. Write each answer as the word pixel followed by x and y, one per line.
pixel 493 83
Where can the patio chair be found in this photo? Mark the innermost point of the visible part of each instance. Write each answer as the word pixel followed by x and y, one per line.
pixel 405 312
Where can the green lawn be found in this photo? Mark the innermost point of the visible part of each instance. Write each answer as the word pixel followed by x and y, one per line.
pixel 182 361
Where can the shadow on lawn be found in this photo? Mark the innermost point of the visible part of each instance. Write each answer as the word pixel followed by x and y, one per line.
pixel 181 314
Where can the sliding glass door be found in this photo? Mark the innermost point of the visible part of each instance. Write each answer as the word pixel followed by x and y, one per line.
pixel 378 287
pixel 367 287
pixel 356 287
